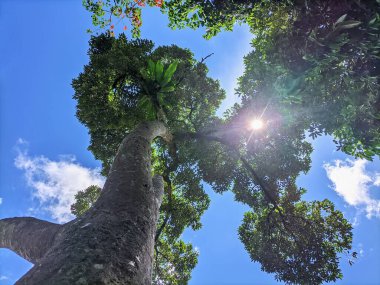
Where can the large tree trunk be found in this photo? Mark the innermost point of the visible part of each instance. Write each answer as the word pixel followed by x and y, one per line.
pixel 113 242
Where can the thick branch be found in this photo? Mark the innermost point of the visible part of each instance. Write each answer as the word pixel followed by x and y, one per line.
pixel 28 237
pixel 246 165
pixel 133 157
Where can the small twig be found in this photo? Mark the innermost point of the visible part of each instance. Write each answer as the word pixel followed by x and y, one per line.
pixel 206 57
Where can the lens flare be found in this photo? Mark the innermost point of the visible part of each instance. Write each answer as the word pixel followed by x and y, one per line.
pixel 256 124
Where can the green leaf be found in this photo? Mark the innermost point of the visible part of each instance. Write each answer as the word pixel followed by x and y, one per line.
pixel 151 68
pixel 349 24
pixel 111 97
pixel 170 88
pixel 316 41
pixel 341 19
pixel 159 71
pixel 372 21
pixel 143 101
pixel 169 73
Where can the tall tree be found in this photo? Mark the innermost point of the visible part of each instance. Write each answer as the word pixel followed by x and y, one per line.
pixel 222 156
pixel 314 67
pixel 129 94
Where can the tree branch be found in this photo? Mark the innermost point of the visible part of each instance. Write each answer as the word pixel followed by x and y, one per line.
pixel 251 171
pixel 246 164
pixel 206 57
pixel 28 237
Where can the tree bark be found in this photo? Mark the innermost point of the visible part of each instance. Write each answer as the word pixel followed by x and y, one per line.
pixel 28 237
pixel 113 242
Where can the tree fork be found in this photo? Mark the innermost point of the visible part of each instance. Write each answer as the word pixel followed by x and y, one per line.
pixel 112 243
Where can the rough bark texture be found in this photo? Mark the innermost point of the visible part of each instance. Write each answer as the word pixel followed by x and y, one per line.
pixel 28 237
pixel 113 242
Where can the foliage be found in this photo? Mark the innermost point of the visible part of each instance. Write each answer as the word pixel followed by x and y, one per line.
pixel 110 90
pixel 156 84
pixel 323 68
pixel 84 199
pixel 105 13
pixel 319 58
pixel 314 67
pixel 308 238
pixel 260 169
pixel 217 15
pixel 298 241
pixel 174 262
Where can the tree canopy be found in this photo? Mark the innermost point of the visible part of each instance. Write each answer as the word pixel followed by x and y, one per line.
pixel 322 63
pixel 320 58
pixel 260 169
pixel 313 70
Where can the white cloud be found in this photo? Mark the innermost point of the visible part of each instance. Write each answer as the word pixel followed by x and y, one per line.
pixel 360 250
pixel 355 220
pixel 352 182
pixel 377 180
pixel 1 200
pixel 2 277
pixel 55 183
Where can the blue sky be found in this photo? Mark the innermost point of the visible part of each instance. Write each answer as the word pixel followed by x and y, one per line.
pixel 44 159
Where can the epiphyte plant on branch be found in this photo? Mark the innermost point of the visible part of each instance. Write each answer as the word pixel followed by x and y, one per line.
pixel 157 84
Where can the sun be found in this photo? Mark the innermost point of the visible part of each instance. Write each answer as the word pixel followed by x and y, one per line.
pixel 256 124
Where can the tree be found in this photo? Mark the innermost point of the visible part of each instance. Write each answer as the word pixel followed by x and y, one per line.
pixel 224 156
pixel 113 241
pixel 185 201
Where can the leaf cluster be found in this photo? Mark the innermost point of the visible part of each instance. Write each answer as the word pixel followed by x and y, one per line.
pixel 84 199
pixel 322 65
pixel 320 58
pixel 115 88
pixel 157 84
pixel 106 13
pixel 301 246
